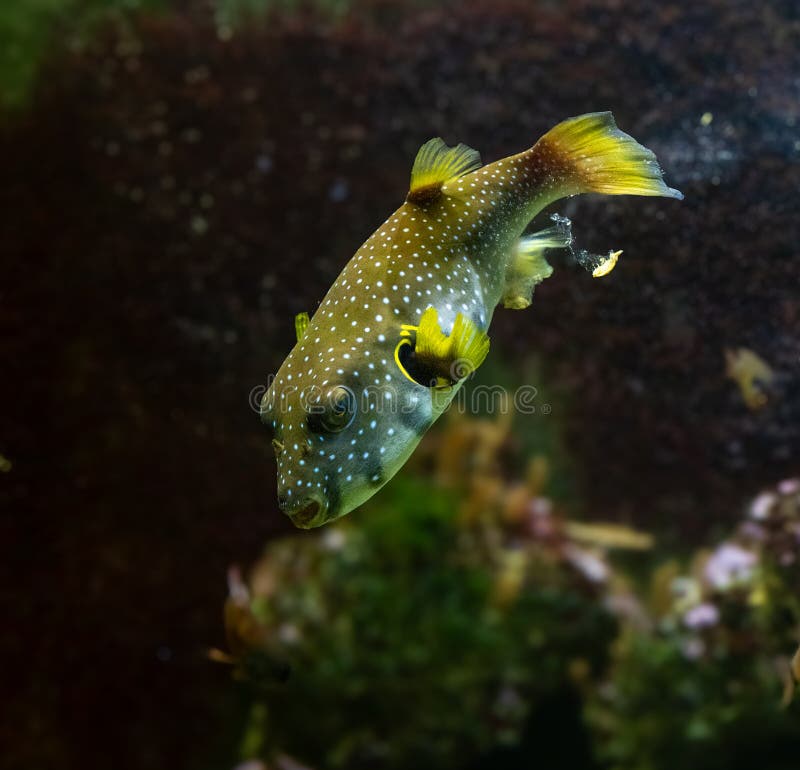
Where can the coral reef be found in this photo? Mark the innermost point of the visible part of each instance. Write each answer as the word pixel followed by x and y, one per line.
pixel 474 591
pixel 707 682
pixel 359 640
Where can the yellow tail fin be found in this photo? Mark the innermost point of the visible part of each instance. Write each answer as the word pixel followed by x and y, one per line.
pixel 590 154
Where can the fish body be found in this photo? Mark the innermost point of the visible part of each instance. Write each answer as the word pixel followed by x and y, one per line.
pixel 405 322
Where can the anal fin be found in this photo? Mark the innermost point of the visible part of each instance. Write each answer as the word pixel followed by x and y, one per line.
pixel 528 266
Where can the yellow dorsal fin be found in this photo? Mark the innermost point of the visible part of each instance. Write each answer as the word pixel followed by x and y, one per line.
pixel 300 325
pixel 451 357
pixel 435 165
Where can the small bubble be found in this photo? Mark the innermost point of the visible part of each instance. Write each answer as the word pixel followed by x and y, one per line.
pixel 199 225
pixel 264 164
pixel 339 191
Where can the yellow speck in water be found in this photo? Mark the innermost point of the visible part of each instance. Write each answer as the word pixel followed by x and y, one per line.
pixel 5 464
pixel 751 373
pixel 607 265
pixel 706 118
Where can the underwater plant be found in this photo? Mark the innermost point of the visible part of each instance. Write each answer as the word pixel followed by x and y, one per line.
pixel 431 633
pixel 706 680
pixel 466 587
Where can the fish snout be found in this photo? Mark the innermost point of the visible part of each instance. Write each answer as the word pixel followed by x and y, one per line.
pixel 305 513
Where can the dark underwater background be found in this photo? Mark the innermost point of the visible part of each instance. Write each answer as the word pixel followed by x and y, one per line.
pixel 178 179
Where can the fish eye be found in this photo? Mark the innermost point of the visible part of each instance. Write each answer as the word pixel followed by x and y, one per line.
pixel 336 414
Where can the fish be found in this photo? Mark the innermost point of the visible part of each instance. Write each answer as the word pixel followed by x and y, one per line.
pixel 406 322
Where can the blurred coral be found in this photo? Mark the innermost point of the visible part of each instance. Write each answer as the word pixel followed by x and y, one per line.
pixel 475 590
pixel 471 591
pixel 481 592
pixel 712 676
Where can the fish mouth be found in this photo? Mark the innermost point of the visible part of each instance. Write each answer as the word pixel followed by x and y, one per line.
pixel 311 513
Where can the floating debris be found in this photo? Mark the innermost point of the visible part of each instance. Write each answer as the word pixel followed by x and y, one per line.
pixel 597 264
pixel 608 264
pixel 751 373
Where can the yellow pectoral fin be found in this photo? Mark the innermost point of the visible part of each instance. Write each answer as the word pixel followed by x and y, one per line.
pixel 301 321
pixel 528 266
pixel 455 356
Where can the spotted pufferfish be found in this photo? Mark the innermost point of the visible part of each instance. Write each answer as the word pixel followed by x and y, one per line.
pixel 405 323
